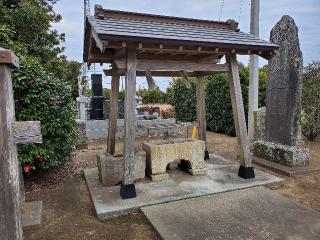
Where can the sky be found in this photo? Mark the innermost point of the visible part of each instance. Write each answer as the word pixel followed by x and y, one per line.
pixel 306 14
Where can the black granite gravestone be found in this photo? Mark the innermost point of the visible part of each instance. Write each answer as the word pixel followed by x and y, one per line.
pixel 97 99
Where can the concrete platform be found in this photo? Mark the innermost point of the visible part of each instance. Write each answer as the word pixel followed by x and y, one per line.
pixel 287 171
pixel 255 213
pixel 222 177
pixel 31 214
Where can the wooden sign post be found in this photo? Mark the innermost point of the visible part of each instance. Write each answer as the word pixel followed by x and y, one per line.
pixel 11 133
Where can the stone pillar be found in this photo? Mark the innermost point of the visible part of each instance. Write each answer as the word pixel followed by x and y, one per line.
pixel 284 84
pixel 259 123
pixel 82 100
pixel 283 100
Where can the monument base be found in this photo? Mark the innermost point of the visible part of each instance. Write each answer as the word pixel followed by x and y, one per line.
pixel 31 213
pixel 290 156
pixel 111 168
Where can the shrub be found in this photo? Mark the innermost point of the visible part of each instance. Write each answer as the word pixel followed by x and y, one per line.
pixel 219 113
pixel 183 99
pixel 168 113
pixel 39 96
pixel 153 96
pixel 311 101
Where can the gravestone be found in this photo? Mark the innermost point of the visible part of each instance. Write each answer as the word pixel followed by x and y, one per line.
pixel 97 99
pixel 283 99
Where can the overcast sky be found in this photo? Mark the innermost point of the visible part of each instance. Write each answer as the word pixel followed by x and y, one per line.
pixel 306 14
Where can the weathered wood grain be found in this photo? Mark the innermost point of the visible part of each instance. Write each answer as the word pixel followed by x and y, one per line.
pixel 163 65
pixel 122 72
pixel 201 109
pixel 9 58
pixel 113 117
pixel 238 111
pixel 130 105
pixel 27 132
pixel 10 213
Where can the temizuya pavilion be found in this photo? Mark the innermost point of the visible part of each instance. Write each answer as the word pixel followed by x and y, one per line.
pixel 138 44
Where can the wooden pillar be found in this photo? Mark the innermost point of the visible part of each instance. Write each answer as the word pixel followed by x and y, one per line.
pixel 128 187
pixel 246 170
pixel 10 214
pixel 113 116
pixel 201 112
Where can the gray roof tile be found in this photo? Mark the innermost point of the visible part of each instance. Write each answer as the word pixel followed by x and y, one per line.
pixel 170 31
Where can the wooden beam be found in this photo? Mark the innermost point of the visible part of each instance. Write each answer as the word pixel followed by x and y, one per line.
pixel 8 58
pixel 181 57
pixel 142 65
pixel 98 41
pixel 27 132
pixel 97 57
pixel 10 213
pixel 121 72
pixel 127 188
pixel 238 114
pixel 201 112
pixel 113 117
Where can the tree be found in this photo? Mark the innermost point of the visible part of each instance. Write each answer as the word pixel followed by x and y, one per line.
pixel 45 85
pixel 31 22
pixel 31 34
pixel 40 96
pixel 183 99
pixel 311 101
pixel 154 95
pixel 219 115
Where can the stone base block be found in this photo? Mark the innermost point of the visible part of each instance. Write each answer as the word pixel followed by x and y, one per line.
pixel 82 139
pixel 111 168
pixel 197 171
pixel 159 177
pixel 290 156
pixel 190 153
pixel 31 213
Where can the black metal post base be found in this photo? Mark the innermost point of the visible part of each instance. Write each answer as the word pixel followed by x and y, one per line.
pixel 246 172
pixel 206 155
pixel 128 191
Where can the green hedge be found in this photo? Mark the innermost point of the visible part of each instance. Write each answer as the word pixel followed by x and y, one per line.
pixel 219 114
pixel 153 96
pixel 183 99
pixel 39 96
pixel 311 101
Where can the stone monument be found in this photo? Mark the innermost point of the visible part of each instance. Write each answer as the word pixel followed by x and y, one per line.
pixel 283 99
pixel 97 98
